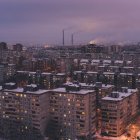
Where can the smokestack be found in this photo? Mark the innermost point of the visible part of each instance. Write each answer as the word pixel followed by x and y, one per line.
pixel 72 39
pixel 63 37
pixel 63 34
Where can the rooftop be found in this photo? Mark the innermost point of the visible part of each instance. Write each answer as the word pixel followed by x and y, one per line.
pixel 95 61
pixel 106 61
pixel 46 73
pixel 110 73
pixel 118 61
pixel 61 74
pixel 22 71
pixel 21 90
pixel 120 95
pixel 82 91
pixel 130 74
pixel 90 85
pixel 92 72
pixel 84 61
pixel 10 84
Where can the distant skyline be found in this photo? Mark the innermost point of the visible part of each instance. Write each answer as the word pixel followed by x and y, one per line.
pixel 42 21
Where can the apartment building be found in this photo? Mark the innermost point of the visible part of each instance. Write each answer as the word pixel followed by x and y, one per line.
pixel 110 77
pixel 126 80
pixel 113 68
pixel 47 80
pixel 11 70
pixel 3 72
pixel 94 64
pixel 78 76
pixel 44 79
pixel 101 90
pixel 61 113
pixel 118 109
pixel 58 79
pixel 72 113
pixel 23 111
pixel 90 77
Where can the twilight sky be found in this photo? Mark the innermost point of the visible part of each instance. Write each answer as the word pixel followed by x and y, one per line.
pixel 41 21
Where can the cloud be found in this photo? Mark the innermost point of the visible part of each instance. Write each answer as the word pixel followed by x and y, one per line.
pixel 43 21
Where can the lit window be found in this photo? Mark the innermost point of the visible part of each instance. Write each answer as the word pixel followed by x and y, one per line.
pixel 60 95
pixel 6 93
pixel 83 113
pixel 17 94
pixel 65 115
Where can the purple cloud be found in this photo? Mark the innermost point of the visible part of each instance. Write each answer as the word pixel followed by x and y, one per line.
pixel 43 21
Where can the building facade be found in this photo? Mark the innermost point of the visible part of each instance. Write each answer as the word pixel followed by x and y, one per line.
pixel 72 113
pixel 118 109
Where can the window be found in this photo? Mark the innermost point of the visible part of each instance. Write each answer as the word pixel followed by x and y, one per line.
pixel 83 113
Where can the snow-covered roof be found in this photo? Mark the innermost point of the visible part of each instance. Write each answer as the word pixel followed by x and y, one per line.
pixel 118 62
pixel 95 61
pixel 128 62
pixel 107 61
pixel 84 61
pixel 21 90
pixel 63 90
pixel 108 73
pixel 121 95
pixel 46 73
pixel 61 74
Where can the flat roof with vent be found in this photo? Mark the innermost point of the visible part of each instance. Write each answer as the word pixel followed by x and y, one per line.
pixel 90 85
pixel 26 90
pixel 121 95
pixel 95 61
pixel 118 61
pixel 63 90
pixel 21 90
